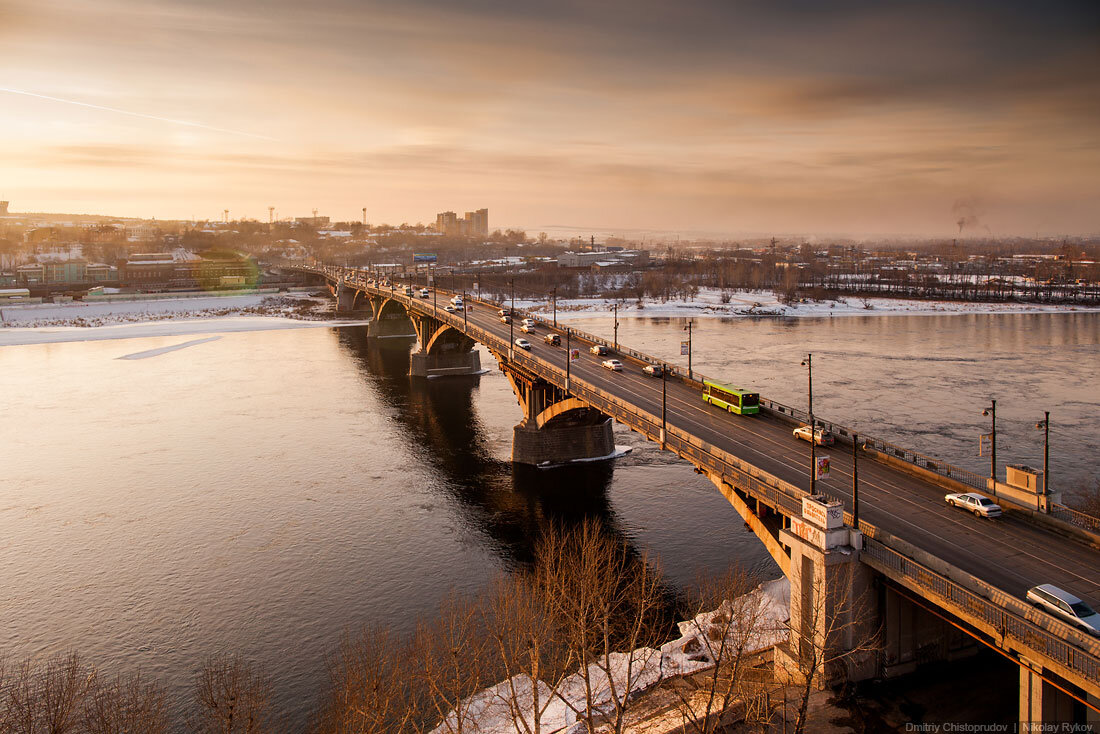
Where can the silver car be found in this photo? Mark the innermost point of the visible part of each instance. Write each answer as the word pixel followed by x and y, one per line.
pixel 979 504
pixel 1065 605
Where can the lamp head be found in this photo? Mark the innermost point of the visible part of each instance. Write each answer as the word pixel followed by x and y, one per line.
pixel 985 412
pixel 1040 425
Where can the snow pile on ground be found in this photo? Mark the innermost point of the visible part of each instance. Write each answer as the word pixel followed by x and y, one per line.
pixel 85 314
pixel 764 303
pixel 499 710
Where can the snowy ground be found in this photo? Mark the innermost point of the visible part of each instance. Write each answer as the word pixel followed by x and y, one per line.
pixel 764 303
pixel 91 321
pixel 508 707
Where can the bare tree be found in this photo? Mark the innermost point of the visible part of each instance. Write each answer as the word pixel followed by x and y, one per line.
pixel 837 634
pixel 604 599
pixel 528 642
pixel 232 697
pixel 369 689
pixel 729 619
pixel 454 664
pixel 125 705
pixel 45 698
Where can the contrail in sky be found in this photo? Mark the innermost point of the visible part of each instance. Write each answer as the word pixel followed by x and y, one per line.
pixel 136 114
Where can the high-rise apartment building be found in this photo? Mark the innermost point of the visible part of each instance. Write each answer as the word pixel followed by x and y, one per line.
pixel 472 224
pixel 3 208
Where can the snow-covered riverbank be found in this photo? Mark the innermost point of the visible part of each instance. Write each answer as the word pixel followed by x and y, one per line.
pixel 508 707
pixel 93 321
pixel 708 303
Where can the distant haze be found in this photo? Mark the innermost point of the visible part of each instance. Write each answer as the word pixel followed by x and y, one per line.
pixel 931 118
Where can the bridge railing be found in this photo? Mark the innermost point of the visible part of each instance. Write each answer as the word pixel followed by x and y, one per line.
pixel 1007 617
pixel 1076 517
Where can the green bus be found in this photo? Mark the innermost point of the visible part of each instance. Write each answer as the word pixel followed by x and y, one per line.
pixel 733 399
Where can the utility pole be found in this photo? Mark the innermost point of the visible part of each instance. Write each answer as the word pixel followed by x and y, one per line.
pixel 991 411
pixel 616 326
pixel 855 481
pixel 1045 425
pixel 465 310
pixel 568 359
pixel 808 363
pixel 512 318
pixel 688 329
pixel 554 298
pixel 664 402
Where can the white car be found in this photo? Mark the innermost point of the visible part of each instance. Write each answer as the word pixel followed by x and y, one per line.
pixel 1065 605
pixel 527 328
pixel 979 504
pixel 653 370
pixel 613 364
pixel 523 344
pixel 528 322
pixel 599 350
pixel 424 293
pixel 823 437
pixel 450 308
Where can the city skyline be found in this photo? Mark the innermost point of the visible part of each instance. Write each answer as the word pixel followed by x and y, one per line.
pixel 912 119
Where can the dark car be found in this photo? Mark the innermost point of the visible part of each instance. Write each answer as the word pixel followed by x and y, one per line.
pixel 553 340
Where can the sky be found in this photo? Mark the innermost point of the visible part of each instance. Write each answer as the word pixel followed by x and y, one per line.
pixel 764 117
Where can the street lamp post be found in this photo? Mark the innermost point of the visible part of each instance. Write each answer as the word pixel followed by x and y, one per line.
pixel 512 317
pixel 568 358
pixel 554 298
pixel 809 365
pixel 465 310
pixel 855 481
pixel 664 402
pixel 1044 424
pixel 688 329
pixel 991 411
pixel 616 326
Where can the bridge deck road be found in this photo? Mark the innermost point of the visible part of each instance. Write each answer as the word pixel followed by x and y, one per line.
pixel 1008 553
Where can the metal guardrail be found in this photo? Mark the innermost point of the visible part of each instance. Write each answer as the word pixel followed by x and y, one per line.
pixel 935 466
pixel 1076 517
pixel 1007 619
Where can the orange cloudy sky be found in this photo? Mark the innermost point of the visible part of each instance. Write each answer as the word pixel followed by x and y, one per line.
pixel 757 117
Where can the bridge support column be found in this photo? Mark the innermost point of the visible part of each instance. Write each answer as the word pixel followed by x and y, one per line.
pixel 345 298
pixel 556 428
pixel 1043 706
pixel 443 350
pixel 833 608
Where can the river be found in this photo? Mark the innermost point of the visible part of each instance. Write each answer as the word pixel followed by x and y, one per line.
pixel 262 492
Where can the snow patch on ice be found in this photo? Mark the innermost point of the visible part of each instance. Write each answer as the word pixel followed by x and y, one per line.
pixel 164 350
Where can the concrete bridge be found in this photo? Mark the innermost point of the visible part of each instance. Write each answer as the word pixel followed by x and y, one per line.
pixel 910 580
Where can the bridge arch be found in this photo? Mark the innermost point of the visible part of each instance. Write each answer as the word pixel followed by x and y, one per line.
pixel 387 308
pixel 446 338
pixel 562 410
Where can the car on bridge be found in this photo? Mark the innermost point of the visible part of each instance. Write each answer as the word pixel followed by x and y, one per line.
pixel 424 293
pixel 1050 598
pixel 553 340
pixel 450 308
pixel 408 290
pixel 600 350
pixel 653 370
pixel 613 364
pixel 504 312
pixel 523 344
pixel 979 504
pixel 505 319
pixel 821 436
pixel 527 329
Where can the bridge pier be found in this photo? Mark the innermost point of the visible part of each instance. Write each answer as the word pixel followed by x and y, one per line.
pixel 556 428
pixel 442 350
pixel 1043 703
pixel 834 607
pixel 345 298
